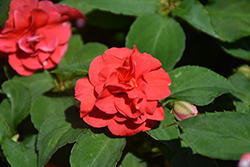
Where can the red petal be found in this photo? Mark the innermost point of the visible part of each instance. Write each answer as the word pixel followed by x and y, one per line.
pixel 158 115
pixel 48 43
pixel 48 64
pixel 8 41
pixel 17 65
pixel 105 102
pixel 95 67
pixel 9 25
pixel 21 18
pixel 23 45
pixel 39 18
pixel 15 4
pixel 158 85
pixel 73 13
pixel 84 92
pixel 47 6
pixel 126 128
pixel 59 52
pixel 98 119
pixel 120 53
pixel 30 62
pixel 151 106
pixel 43 56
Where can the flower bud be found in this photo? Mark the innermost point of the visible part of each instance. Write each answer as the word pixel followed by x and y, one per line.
pixel 245 69
pixel 183 110
pixel 244 160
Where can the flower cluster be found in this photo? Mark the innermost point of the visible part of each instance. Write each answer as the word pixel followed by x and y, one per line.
pixel 36 33
pixel 122 91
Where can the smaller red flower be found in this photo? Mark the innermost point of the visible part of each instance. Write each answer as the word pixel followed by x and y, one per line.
pixel 122 91
pixel 36 33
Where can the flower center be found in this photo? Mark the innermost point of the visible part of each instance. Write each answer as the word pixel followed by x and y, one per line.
pixel 33 39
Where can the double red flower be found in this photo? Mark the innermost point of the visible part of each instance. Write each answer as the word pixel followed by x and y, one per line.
pixel 122 91
pixel 36 33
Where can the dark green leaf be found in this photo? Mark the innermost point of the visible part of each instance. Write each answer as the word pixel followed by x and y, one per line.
pixel 94 150
pixel 127 7
pixel 239 49
pixel 241 99
pixel 222 135
pixel 196 15
pixel 4 128
pixel 4 9
pixel 77 67
pixel 230 18
pixel 20 100
pixel 20 154
pixel 79 4
pixel 37 83
pixel 132 160
pixel 162 37
pixel 165 132
pixel 59 128
pixel 198 85
pixel 5 113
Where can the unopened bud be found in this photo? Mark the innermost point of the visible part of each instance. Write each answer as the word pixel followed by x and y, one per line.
pixel 245 69
pixel 183 110
pixel 244 160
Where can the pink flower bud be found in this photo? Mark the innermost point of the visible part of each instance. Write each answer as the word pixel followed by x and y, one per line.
pixel 183 110
pixel 244 160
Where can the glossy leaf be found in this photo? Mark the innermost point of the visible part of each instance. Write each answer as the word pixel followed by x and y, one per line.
pixel 230 18
pixel 239 49
pixel 4 128
pixel 20 100
pixel 198 85
pixel 126 7
pixel 222 135
pixel 241 99
pixel 47 104
pixel 159 36
pixel 132 160
pixel 164 131
pixel 20 154
pixel 59 128
pixel 188 10
pixel 94 150
pixel 4 9
pixel 37 83
pixel 5 114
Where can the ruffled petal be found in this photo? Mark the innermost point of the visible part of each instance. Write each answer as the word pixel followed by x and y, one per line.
pixel 126 128
pixel 72 13
pixel 105 102
pixel 58 53
pixel 30 62
pixel 39 19
pixel 48 64
pixel 23 44
pixel 95 67
pixel 158 115
pixel 17 65
pixel 47 6
pixel 158 84
pixel 15 4
pixel 48 42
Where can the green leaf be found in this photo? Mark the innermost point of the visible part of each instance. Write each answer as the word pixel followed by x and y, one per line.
pixel 4 128
pixel 96 150
pixel 47 104
pixel 165 132
pixel 230 18
pixel 222 135
pixel 198 85
pixel 239 49
pixel 20 100
pixel 59 128
pixel 159 36
pixel 188 10
pixel 4 9
pixel 241 99
pixel 20 154
pixel 126 7
pixel 37 83
pixel 79 4
pixel 5 114
pixel 133 161
pixel 76 67
pixel 187 159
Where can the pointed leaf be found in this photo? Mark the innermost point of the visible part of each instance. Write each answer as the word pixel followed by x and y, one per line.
pixel 126 7
pixel 132 160
pixel 222 135
pixel 161 37
pixel 20 100
pixel 230 18
pixel 20 154
pixel 94 150
pixel 188 10
pixel 37 83
pixel 241 99
pixel 59 128
pixel 165 132
pixel 198 85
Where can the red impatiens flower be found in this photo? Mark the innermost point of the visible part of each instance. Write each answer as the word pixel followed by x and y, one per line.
pixel 122 91
pixel 36 33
